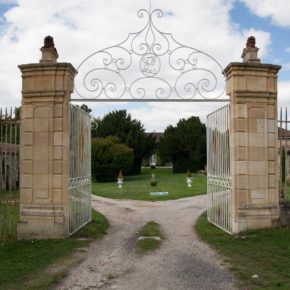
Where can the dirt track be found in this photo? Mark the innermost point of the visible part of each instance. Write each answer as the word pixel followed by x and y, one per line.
pixel 182 262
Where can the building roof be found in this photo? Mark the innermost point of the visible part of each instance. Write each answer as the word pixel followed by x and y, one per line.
pixel 283 133
pixel 157 135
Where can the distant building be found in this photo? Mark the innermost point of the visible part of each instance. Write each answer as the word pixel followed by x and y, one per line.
pixel 157 135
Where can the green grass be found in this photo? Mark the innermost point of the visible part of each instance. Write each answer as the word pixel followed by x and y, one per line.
pixel 22 261
pixel 262 252
pixel 9 215
pixel 95 229
pixel 286 188
pixel 13 194
pixel 148 245
pixel 151 229
pixel 138 187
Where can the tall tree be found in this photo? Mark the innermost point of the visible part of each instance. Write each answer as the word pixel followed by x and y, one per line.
pixel 185 145
pixel 85 108
pixel 129 131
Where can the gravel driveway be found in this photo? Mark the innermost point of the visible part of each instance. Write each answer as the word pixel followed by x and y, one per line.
pixel 182 262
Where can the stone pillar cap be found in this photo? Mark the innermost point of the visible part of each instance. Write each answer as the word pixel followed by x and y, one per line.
pixel 250 53
pixel 49 52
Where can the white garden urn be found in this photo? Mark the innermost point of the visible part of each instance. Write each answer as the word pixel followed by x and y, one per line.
pixel 189 181
pixel 120 182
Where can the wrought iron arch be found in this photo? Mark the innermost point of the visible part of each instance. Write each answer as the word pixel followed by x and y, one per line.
pixel 150 65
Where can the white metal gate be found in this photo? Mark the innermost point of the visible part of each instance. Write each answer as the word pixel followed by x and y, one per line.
pixel 80 169
pixel 219 184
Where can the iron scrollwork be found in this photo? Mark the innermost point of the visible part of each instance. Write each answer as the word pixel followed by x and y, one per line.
pixel 150 64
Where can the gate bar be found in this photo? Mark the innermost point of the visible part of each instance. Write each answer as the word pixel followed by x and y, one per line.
pixel 151 100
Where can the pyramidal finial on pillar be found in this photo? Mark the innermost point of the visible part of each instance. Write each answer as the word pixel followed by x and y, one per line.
pixel 250 53
pixel 49 52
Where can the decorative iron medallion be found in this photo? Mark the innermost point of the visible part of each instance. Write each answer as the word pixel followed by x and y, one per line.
pixel 150 65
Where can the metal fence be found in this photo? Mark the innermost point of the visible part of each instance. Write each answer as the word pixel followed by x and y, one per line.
pixel 80 168
pixel 9 172
pixel 284 154
pixel 219 184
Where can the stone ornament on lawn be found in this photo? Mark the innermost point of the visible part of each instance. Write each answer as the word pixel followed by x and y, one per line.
pixel 153 181
pixel 120 179
pixel 189 179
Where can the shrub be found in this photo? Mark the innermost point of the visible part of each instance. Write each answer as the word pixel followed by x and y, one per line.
pixel 105 172
pixel 184 145
pixel 202 171
pixel 153 183
pixel 109 156
pixel 130 132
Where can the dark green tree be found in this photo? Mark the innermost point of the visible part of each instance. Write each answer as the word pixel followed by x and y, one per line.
pixel 94 126
pixel 85 108
pixel 109 156
pixel 17 112
pixel 10 126
pixel 131 132
pixel 184 145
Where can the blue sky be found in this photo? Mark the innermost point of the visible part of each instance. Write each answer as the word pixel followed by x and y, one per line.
pixel 5 6
pixel 280 36
pixel 80 27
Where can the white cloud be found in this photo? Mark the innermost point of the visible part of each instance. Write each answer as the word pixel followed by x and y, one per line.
pixel 284 93
pixel 287 49
pixel 263 40
pixel 159 115
pixel 277 10
pixel 286 66
pixel 7 2
pixel 81 27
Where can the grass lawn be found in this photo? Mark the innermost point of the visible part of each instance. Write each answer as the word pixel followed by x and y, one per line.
pixel 9 214
pixel 151 229
pixel 138 186
pixel 24 264
pixel 262 252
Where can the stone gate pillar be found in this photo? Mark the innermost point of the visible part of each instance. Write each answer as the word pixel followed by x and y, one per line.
pixel 252 87
pixel 44 146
